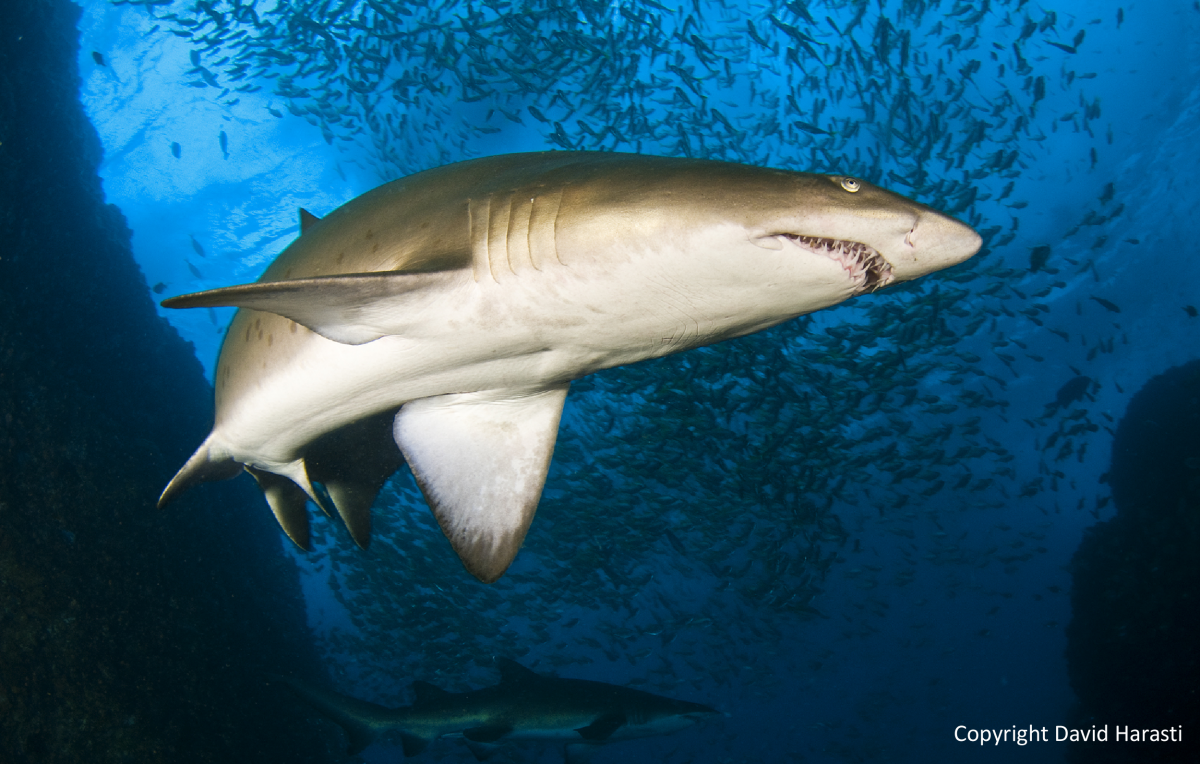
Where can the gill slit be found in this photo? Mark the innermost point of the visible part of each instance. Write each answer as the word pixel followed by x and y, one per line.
pixel 477 225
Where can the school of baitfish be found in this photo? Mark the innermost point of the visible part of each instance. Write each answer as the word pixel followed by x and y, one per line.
pixel 725 465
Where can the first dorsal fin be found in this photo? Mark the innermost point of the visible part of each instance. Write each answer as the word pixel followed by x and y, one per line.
pixel 306 220
pixel 512 672
pixel 426 693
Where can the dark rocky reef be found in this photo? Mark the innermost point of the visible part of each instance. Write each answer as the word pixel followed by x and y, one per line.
pixel 1133 649
pixel 126 634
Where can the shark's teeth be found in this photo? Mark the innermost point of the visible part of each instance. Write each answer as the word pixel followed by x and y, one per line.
pixel 867 268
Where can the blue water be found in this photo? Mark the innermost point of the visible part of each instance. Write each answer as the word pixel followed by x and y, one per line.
pixel 888 612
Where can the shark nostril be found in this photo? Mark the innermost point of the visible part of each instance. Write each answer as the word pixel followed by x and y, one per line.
pixel 908 237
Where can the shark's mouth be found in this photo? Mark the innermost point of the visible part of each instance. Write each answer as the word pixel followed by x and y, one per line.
pixel 867 268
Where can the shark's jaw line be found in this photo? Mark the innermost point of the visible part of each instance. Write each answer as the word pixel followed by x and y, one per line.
pixel 868 269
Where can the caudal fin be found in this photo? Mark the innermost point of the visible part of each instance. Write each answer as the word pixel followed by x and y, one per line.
pixel 204 466
pixel 362 721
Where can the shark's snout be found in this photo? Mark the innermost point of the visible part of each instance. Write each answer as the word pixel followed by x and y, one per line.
pixel 934 242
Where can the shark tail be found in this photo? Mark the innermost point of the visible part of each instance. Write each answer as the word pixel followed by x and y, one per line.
pixel 204 466
pixel 361 720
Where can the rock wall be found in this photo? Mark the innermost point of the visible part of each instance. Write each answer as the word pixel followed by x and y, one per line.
pixel 1135 596
pixel 126 633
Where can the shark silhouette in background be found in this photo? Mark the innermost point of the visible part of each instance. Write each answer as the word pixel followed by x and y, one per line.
pixel 448 312
pixel 524 706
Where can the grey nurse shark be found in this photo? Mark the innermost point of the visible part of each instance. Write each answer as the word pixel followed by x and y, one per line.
pixel 524 706
pixel 447 313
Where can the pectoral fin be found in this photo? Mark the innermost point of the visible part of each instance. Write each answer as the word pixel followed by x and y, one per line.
pixel 481 460
pixel 351 309
pixel 487 734
pixel 602 728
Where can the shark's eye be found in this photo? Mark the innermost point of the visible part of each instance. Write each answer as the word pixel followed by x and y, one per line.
pixel 851 185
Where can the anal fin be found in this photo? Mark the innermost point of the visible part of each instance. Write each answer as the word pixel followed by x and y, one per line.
pixel 353 463
pixel 481 460
pixel 580 753
pixel 412 744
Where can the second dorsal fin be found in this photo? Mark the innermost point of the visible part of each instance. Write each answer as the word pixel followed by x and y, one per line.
pixel 427 694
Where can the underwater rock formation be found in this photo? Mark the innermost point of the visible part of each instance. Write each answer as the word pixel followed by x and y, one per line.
pixel 126 634
pixel 1132 639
